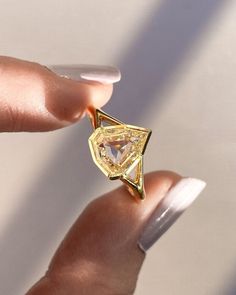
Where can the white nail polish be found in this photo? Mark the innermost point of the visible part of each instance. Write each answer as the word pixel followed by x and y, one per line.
pixel 177 200
pixel 101 74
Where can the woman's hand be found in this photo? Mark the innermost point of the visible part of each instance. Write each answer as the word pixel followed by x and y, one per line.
pixel 105 248
pixel 33 98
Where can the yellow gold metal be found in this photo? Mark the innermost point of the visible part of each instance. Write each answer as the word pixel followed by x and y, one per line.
pixel 117 149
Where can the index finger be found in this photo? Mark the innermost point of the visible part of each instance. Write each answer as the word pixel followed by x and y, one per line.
pixel 34 98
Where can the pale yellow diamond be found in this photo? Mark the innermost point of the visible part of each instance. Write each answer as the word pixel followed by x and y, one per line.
pixel 115 148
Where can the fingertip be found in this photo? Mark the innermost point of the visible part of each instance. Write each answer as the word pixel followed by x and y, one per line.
pixel 163 179
pixel 90 84
pixel 97 94
pixel 71 98
pixel 34 98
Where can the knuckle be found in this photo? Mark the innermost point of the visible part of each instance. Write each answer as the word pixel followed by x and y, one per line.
pixel 12 119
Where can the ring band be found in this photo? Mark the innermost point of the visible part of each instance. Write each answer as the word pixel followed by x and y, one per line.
pixel 117 149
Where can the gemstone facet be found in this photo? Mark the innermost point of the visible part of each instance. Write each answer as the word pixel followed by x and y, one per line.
pixel 115 148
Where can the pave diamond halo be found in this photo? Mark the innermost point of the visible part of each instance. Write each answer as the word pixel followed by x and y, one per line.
pixel 117 149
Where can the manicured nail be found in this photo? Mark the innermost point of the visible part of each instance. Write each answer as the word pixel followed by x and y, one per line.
pixel 176 201
pixel 102 74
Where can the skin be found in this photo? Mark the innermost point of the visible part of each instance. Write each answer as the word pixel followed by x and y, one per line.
pixel 99 255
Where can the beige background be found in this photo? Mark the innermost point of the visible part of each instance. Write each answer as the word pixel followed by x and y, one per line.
pixel 178 60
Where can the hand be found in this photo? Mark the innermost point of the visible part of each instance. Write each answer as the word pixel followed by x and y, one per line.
pixel 105 248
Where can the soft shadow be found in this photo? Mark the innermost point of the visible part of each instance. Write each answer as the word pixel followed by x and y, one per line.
pixel 147 67
pixel 229 287
pixel 231 291
pixel 157 53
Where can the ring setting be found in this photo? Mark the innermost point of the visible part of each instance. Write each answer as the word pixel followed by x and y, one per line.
pixel 117 149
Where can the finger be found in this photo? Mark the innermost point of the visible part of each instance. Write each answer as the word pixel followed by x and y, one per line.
pixel 103 251
pixel 34 98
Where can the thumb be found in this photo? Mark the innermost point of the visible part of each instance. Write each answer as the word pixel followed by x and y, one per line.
pixel 100 254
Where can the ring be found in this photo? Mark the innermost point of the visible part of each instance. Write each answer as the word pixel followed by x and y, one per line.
pixel 117 149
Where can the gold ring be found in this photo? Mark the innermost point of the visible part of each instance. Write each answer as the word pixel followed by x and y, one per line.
pixel 117 149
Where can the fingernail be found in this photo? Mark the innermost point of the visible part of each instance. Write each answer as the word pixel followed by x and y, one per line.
pixel 176 201
pixel 101 74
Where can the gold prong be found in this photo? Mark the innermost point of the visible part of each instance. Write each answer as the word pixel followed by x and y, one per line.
pixel 136 185
pixel 97 117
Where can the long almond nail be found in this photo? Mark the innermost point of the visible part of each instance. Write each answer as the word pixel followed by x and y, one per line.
pixel 102 74
pixel 177 200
